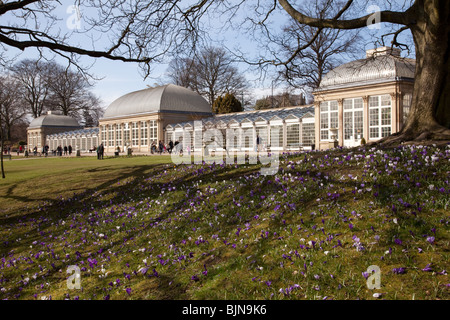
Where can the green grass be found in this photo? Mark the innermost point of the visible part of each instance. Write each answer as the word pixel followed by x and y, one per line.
pixel 254 234
pixel 32 181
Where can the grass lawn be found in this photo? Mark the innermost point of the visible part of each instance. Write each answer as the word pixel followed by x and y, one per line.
pixel 144 228
pixel 32 181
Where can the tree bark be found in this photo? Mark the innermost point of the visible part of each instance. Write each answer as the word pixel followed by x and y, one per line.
pixel 1 147
pixel 429 117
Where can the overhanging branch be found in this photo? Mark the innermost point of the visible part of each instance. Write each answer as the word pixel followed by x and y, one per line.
pixel 56 47
pixel 334 23
pixel 9 6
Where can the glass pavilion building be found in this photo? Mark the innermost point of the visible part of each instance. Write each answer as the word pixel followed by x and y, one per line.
pixel 282 129
pixel 367 98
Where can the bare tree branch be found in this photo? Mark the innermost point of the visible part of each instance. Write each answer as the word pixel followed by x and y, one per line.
pixel 385 16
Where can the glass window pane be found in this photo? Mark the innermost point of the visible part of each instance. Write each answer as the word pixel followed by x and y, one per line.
pixel 293 135
pixel 386 100
pixel 308 133
pixel 333 105
pixel 324 121
pixel 373 117
pixel 386 116
pixel 276 136
pixel 374 132
pixel 348 104
pixel 334 119
pixel 348 125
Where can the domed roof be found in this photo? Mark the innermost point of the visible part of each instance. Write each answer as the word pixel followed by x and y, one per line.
pixel 54 119
pixel 380 65
pixel 167 98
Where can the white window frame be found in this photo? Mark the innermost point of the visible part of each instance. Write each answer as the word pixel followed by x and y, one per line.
pixel 144 133
pixel 353 107
pixel 308 131
pixel 329 114
pixel 293 140
pixel 134 134
pixel 378 108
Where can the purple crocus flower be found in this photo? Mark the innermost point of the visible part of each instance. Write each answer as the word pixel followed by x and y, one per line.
pixel 400 270
pixel 128 290
pixel 430 239
pixel 427 268
pixel 144 271
pixel 195 278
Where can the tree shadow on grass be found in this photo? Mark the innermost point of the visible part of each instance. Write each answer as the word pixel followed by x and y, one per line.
pixel 56 206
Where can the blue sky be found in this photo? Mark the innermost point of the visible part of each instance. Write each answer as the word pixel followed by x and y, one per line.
pixel 119 78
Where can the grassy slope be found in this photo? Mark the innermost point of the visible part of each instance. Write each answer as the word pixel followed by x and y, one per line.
pixel 307 232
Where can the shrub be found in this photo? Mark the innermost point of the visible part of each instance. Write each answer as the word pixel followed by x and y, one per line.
pixel 363 141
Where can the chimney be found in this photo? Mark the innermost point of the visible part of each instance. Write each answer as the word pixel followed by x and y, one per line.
pixel 383 51
pixel 57 112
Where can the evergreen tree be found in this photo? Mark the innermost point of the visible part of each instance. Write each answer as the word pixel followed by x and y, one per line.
pixel 227 104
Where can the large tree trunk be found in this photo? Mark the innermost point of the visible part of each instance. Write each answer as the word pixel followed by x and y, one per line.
pixel 1 152
pixel 429 118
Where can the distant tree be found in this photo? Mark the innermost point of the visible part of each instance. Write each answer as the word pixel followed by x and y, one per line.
pixel 91 112
pixel 69 91
pixel 12 109
pixel 33 77
pixel 227 104
pixel 210 73
pixel 327 50
pixel 183 72
pixel 262 104
pixel 50 86
pixel 19 131
pixel 285 99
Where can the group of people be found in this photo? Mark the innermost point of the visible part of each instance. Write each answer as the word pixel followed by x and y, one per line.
pixel 170 147
pixel 7 150
pixel 159 147
pixel 66 150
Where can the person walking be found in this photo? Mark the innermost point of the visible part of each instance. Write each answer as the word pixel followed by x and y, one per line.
pixel 161 147
pixel 70 149
pixel 153 147
pixel 102 150
pixel 65 150
pixel 176 147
